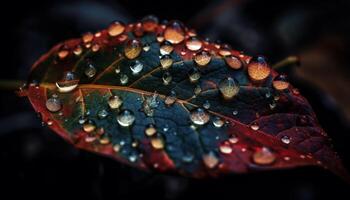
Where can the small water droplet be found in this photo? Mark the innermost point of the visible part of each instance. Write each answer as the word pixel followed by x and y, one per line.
pixel 228 87
pixel 102 113
pixel 63 53
pixel 49 122
pixel 272 105
pixel 210 160
pixel 116 28
pixel 78 50
pixel 225 148
pixel 258 69
pixel 53 104
pixel 133 48
pixel 187 158
pixel 233 139
pixel 150 130
pixel 115 102
pixel 235 112
pixel 218 122
pixel 90 70
pixel 146 47
pixel 166 61
pixel 126 118
pixel 132 158
pixel 233 62
pixel 285 139
pixel 157 143
pixel 89 126
pixel 68 83
pixel 150 23
pixel 280 82
pixel 194 75
pixel 167 78
pixel 254 126
pixel 197 90
pixel 264 156
pixel 116 148
pixel 199 116
pixel 206 104
pixel 88 37
pixel 193 44
pixel 136 67
pixel 124 79
pixel 82 120
pixel 174 32
pixel 166 48
pixel 202 58
pixel 170 100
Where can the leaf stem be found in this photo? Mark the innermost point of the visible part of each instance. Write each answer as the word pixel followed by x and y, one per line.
pixel 289 61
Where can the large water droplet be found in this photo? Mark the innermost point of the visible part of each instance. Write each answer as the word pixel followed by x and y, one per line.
pixel 233 62
pixel 193 44
pixel 166 48
pixel 258 69
pixel 167 78
pixel 199 116
pixel 210 160
pixel 280 82
pixel 174 32
pixel 53 104
pixel 150 130
pixel 202 58
pixel 126 118
pixel 116 28
pixel 194 75
pixel 150 23
pixel 166 61
pixel 115 102
pixel 90 70
pixel 264 156
pixel 68 83
pixel 133 48
pixel 136 67
pixel 228 87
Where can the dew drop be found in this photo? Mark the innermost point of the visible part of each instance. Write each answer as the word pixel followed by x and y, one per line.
pixel 233 62
pixel 89 126
pixel 167 78
pixel 193 44
pixel 82 120
pixel 104 140
pixel 264 156
pixel 102 114
pixel 170 100
pixel 146 47
pixel 285 139
pixel 133 48
pixel 228 87
pixel 258 69
pixel 115 102
pixel 166 48
pixel 126 118
pixel 218 122
pixel 150 130
pixel 197 90
pixel 124 79
pixel 202 58
pixel 88 37
pixel 63 53
pixel 280 82
pixel 68 83
pixel 136 67
pixel 53 104
pixel 225 149
pixel 78 50
pixel 90 70
pixel 199 116
pixel 210 160
pixel 116 28
pixel 157 143
pixel 116 148
pixel 174 32
pixel 254 126
pixel 49 122
pixel 95 47
pixel 233 139
pixel 133 158
pixel 235 112
pixel 150 23
pixel 117 69
pixel 166 61
pixel 206 104
pixel 187 158
pixel 194 75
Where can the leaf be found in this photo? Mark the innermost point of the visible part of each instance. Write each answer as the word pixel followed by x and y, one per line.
pixel 201 109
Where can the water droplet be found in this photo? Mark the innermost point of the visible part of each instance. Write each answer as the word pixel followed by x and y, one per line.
pixel 254 126
pixel 90 70
pixel 102 114
pixel 49 122
pixel 206 104
pixel 187 158
pixel 68 83
pixel 160 38
pixel 166 48
pixel 174 32
pixel 197 90
pixel 218 122
pixel 104 140
pixel 136 67
pixel 233 62
pixel 285 139
pixel 166 61
pixel 225 51
pixel 272 105
pixel 126 118
pixel 150 23
pixel 63 53
pixel 210 160
pixel 228 87
pixel 133 158
pixel 116 28
pixel 202 58
pixel 194 75
pixel 233 139
pixel 89 126
pixel 225 149
pixel 124 79
pixel 146 47
pixel 82 120
pixel 78 50
pixel 116 148
pixel 150 130
pixel 199 116
pixel 235 112
pixel 170 100
pixel 264 156
pixel 258 69
pixel 280 82
pixel 133 48
pixel 193 44
pixel 115 102
pixel 157 143
pixel 88 37
pixel 167 78
pixel 53 104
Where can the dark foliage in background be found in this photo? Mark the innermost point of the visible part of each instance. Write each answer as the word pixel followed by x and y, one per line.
pixel 36 163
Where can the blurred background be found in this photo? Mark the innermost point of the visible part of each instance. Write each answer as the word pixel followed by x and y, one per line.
pixel 36 163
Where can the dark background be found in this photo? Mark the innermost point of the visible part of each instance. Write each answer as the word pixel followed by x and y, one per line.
pixel 35 163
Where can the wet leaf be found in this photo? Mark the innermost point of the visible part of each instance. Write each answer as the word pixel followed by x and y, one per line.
pixel 158 97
